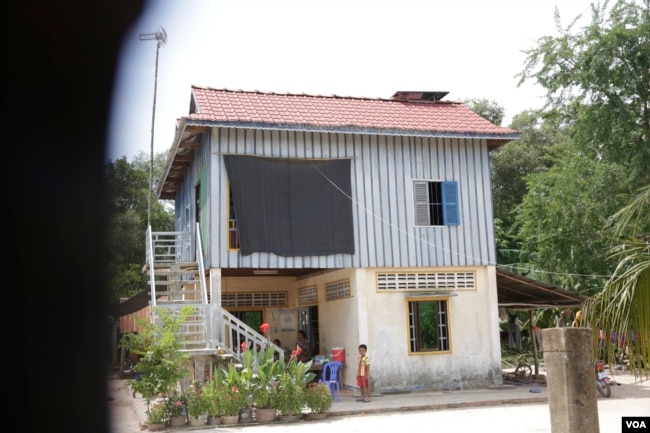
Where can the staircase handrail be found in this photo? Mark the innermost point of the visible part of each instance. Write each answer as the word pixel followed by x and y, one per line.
pixel 207 322
pixel 222 329
pixel 199 260
pixel 150 261
pixel 232 332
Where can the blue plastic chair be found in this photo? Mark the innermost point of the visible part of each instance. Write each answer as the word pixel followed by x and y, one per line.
pixel 330 377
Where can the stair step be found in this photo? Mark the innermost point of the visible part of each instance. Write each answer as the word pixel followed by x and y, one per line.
pixel 181 276
pixel 190 334
pixel 158 265
pixel 187 349
pixel 200 351
pixel 168 271
pixel 178 293
pixel 178 301
pixel 175 288
pixel 179 282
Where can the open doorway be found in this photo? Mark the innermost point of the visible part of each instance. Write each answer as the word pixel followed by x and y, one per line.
pixel 308 322
pixel 252 318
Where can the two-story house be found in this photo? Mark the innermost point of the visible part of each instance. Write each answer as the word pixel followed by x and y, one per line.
pixel 358 220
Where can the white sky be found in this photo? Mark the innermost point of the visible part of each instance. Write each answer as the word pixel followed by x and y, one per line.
pixel 470 48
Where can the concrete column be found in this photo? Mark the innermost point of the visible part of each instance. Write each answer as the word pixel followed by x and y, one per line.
pixel 570 380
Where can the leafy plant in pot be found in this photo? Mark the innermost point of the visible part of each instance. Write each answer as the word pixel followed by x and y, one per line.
pixel 246 381
pixel 318 398
pixel 232 398
pixel 161 364
pixel 265 381
pixel 175 406
pixel 291 398
pixel 266 409
pixel 291 386
pixel 197 405
pixel 157 414
pixel 213 391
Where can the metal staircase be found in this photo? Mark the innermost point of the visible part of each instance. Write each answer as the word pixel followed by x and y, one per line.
pixel 211 335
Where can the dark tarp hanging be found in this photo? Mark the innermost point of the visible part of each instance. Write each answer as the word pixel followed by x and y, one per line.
pixel 292 207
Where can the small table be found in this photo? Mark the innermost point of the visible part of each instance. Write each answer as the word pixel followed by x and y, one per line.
pixel 316 368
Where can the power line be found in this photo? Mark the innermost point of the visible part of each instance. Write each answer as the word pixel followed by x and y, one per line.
pixel 417 239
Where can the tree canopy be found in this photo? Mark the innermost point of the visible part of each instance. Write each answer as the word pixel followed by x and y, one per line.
pixel 127 185
pixel 597 81
pixel 487 109
pixel 622 309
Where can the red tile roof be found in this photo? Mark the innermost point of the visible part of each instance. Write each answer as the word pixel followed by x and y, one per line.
pixel 258 110
pixel 336 112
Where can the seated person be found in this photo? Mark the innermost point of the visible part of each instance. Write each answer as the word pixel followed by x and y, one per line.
pixel 276 355
pixel 304 346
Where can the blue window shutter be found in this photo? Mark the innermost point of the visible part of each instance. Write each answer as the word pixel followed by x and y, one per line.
pixel 450 213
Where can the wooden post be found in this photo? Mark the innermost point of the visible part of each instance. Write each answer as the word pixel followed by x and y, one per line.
pixel 114 360
pixel 533 341
pixel 121 365
pixel 571 381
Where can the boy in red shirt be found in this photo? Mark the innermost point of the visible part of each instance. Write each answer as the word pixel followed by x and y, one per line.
pixel 363 374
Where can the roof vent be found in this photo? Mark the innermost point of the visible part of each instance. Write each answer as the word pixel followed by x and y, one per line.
pixel 403 95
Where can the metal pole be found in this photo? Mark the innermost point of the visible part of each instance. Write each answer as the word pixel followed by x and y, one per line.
pixel 153 122
pixel 161 37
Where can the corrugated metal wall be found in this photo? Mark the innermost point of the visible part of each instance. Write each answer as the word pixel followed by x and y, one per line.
pixel 383 170
pixel 128 322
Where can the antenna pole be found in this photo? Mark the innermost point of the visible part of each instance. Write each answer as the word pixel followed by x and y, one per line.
pixel 161 37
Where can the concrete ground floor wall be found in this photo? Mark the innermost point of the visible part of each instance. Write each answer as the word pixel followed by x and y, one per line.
pixel 356 311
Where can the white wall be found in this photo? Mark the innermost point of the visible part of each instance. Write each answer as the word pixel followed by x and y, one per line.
pixel 379 320
pixel 473 357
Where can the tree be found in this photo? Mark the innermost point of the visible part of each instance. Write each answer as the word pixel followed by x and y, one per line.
pixel 511 163
pixel 562 217
pixel 598 83
pixel 487 109
pixel 127 185
pixel 624 304
pixel 161 363
pixel 598 79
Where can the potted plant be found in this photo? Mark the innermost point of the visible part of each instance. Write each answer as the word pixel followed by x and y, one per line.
pixel 266 406
pixel 245 380
pixel 265 386
pixel 213 392
pixel 232 399
pixel 291 398
pixel 175 406
pixel 161 364
pixel 157 416
pixel 291 388
pixel 231 403
pixel 318 399
pixel 197 407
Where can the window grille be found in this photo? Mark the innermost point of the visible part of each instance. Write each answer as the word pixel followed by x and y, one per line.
pixel 337 290
pixel 264 299
pixel 308 295
pixel 428 323
pixel 425 281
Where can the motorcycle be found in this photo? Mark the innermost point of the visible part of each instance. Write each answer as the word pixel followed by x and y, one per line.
pixel 603 381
